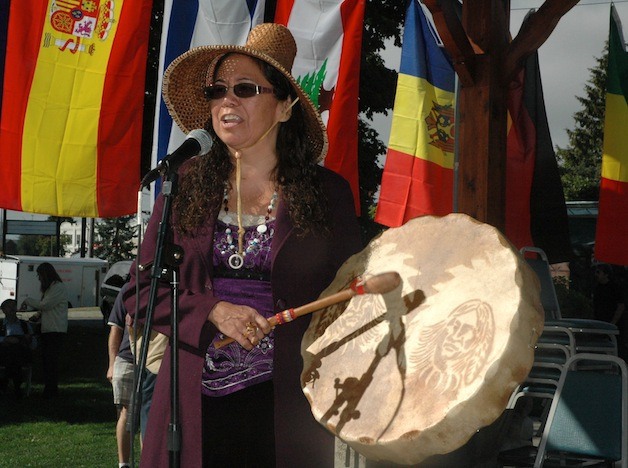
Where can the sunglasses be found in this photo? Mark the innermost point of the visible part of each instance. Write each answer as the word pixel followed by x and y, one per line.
pixel 241 90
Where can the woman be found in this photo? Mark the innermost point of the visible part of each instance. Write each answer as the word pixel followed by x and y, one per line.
pixel 53 313
pixel 263 228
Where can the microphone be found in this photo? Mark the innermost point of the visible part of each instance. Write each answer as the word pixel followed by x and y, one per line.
pixel 197 142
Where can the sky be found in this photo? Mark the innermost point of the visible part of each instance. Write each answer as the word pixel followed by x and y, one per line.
pixel 565 59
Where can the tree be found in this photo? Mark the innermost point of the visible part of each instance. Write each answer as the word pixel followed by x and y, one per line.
pixel 115 239
pixel 383 20
pixel 580 163
pixel 42 245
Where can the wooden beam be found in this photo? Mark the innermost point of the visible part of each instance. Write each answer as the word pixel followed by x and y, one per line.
pixel 486 61
pixel 482 116
pixel 533 33
pixel 454 37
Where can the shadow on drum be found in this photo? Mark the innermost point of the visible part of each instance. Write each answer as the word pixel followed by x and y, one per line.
pixel 351 390
pixel 462 327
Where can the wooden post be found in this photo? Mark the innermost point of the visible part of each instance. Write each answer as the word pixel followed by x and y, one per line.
pixel 486 61
pixel 482 131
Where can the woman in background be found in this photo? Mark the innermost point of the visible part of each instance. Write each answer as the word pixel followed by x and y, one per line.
pixel 52 312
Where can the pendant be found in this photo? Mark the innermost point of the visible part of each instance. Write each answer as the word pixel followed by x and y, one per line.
pixel 236 261
pixel 262 228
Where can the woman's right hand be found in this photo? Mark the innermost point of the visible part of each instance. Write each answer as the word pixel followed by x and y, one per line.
pixel 242 323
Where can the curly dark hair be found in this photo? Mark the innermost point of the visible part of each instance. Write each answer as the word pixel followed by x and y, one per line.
pixel 202 185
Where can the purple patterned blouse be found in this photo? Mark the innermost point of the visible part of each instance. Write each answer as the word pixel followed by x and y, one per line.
pixel 232 367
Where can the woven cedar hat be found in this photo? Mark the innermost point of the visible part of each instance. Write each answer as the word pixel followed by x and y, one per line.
pixel 186 77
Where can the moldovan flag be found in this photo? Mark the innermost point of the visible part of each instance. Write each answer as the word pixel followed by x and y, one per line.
pixel 418 174
pixel 189 24
pixel 329 40
pixel 611 238
pixel 72 100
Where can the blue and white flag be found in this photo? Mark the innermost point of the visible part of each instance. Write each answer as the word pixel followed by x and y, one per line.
pixel 192 23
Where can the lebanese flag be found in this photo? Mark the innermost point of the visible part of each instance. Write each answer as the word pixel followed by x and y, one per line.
pixel 72 98
pixel 329 39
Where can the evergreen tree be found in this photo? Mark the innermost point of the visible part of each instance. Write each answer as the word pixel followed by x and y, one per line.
pixel 580 163
pixel 115 239
pixel 42 245
pixel 383 20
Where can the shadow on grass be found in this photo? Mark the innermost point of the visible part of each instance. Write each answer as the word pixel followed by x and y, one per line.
pixel 84 393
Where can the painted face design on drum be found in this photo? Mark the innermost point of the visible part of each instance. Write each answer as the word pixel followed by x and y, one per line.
pixel 453 352
pixel 460 333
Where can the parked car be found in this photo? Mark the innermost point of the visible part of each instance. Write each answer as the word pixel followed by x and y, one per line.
pixel 117 275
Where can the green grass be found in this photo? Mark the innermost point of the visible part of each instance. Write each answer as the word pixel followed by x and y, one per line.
pixel 76 429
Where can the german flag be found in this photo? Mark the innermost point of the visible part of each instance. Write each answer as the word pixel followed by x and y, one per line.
pixel 72 97
pixel 611 235
pixel 536 214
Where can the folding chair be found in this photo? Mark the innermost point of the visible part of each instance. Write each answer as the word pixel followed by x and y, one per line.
pixel 588 420
pixel 576 335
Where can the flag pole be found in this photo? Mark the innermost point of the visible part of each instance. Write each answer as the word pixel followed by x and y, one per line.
pixel 456 144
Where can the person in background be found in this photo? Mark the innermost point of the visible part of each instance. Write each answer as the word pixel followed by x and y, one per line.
pixel 264 228
pixel 16 340
pixel 121 375
pixel 609 304
pixel 52 312
pixel 156 348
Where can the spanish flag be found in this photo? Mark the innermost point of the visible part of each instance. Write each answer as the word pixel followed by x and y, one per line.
pixel 611 236
pixel 72 96
pixel 418 174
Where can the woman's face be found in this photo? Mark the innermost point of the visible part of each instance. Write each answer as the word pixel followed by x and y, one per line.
pixel 241 122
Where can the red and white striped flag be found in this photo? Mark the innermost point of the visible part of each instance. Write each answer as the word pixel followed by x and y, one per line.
pixel 72 100
pixel 329 40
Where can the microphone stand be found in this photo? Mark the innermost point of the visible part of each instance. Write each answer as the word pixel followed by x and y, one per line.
pixel 167 259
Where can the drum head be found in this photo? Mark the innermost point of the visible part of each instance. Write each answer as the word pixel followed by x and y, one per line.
pixel 417 371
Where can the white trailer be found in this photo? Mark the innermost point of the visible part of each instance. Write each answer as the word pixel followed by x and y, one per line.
pixel 82 278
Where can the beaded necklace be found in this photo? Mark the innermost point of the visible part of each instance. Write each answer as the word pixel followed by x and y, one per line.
pixel 236 259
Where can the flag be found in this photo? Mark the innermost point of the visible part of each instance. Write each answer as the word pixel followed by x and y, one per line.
pixel 549 224
pixel 329 40
pixel 72 98
pixel 536 214
pixel 611 237
pixel 418 173
pixel 189 24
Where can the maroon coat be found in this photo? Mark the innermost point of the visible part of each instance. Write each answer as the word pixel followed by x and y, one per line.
pixel 302 266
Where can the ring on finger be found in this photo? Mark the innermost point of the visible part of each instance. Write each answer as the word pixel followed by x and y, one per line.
pixel 251 329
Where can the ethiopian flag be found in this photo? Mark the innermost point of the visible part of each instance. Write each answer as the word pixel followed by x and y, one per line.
pixel 611 236
pixel 418 174
pixel 72 97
